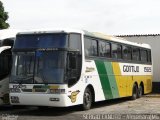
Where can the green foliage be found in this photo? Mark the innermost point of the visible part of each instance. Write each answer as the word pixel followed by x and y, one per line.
pixel 3 17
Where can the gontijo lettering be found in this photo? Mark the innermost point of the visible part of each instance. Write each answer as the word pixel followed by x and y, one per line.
pixel 130 68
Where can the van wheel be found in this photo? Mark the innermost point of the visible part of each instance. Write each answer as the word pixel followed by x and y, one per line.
pixel 140 91
pixel 87 99
pixel 134 92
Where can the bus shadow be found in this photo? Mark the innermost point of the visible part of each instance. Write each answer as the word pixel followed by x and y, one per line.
pixel 51 111
pixel 58 111
pixel 110 102
pixel 5 107
pixel 10 108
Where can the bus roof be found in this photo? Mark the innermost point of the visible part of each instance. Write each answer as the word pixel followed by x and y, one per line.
pixel 8 33
pixel 91 34
pixel 116 39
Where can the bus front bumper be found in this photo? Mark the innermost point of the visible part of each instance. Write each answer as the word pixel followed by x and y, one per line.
pixel 55 100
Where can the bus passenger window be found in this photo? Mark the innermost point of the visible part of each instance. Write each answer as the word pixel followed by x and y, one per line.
pixel 149 56
pixel 143 55
pixel 108 50
pixel 87 43
pixel 116 51
pixel 127 52
pixel 119 51
pixel 104 49
pixel 90 47
pixel 136 54
pixel 75 41
pixel 101 48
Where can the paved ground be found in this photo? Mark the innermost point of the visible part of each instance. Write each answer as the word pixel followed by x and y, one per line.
pixel 102 110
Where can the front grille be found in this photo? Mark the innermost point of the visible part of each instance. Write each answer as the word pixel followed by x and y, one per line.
pixel 27 90
pixel 35 90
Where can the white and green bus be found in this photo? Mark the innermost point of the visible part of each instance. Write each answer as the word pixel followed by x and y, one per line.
pixel 7 37
pixel 71 67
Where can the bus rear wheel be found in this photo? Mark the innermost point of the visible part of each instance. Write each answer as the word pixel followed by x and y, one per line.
pixel 140 91
pixel 87 99
pixel 134 92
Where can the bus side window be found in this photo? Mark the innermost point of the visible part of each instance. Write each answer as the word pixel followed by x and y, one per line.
pixel 90 47
pixel 143 55
pixel 108 50
pixel 75 41
pixel 104 49
pixel 87 43
pixel 119 51
pixel 136 54
pixel 101 49
pixel 149 56
pixel 127 52
pixel 116 51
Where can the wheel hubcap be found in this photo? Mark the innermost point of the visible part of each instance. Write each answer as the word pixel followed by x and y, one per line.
pixel 140 91
pixel 135 92
pixel 87 98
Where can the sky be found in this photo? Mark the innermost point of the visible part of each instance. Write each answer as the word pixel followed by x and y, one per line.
pixel 116 17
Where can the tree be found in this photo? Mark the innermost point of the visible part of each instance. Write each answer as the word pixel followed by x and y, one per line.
pixel 3 17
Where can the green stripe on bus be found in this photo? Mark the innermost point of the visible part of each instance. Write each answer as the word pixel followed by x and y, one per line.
pixel 112 80
pixel 104 79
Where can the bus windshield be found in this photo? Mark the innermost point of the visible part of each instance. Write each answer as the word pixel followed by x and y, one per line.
pixel 47 40
pixel 46 67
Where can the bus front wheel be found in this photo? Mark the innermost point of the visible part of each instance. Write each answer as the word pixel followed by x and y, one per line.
pixel 87 99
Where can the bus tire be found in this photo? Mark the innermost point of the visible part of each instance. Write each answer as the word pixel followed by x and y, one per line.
pixel 140 91
pixel 42 107
pixel 87 99
pixel 134 92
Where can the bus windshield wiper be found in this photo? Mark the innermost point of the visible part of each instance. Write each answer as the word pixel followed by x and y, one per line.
pixel 22 80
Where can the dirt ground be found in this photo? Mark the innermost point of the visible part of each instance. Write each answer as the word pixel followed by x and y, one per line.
pixel 147 107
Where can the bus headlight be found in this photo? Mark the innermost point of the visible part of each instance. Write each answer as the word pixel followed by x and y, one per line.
pixel 14 99
pixel 57 91
pixel 15 90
